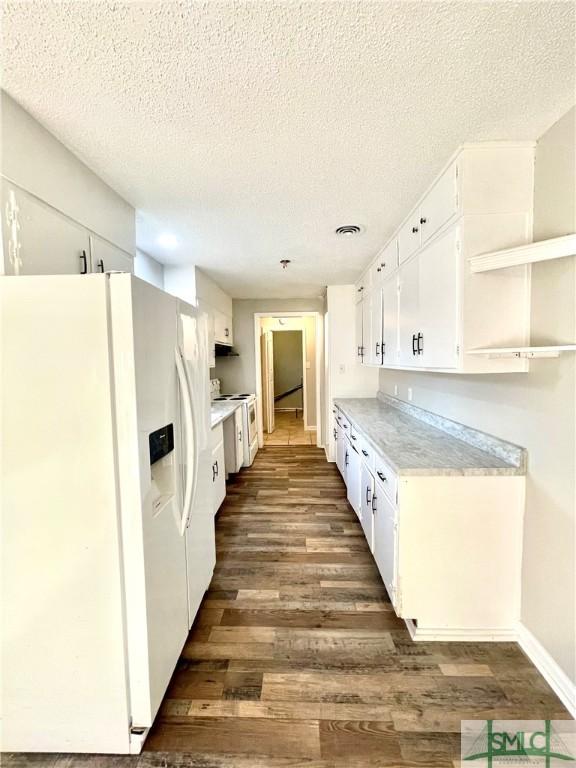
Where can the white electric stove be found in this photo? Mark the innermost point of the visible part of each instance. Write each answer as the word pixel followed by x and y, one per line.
pixel 250 427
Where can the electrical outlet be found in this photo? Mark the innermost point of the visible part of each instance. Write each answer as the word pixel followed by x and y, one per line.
pixel 410 393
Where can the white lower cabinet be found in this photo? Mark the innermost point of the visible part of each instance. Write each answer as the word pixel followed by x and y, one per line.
pixel 218 467
pixel 446 546
pixel 353 477
pixel 366 516
pixel 384 538
pixel 234 442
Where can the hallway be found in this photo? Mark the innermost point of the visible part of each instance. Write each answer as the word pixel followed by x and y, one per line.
pixel 289 430
pixel 296 657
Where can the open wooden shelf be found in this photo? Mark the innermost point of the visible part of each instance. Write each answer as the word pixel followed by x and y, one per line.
pixel 530 352
pixel 544 250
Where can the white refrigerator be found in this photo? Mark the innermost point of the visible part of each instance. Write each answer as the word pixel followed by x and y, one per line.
pixel 107 524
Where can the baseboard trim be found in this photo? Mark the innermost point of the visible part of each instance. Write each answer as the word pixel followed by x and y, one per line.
pixel 556 678
pixel 463 635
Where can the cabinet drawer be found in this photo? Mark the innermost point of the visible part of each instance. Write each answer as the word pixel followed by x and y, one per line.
pixel 217 436
pixel 366 451
pixel 353 434
pixel 386 477
pixel 345 424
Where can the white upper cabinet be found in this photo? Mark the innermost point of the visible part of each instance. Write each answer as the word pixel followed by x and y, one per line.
pixel 39 240
pixel 431 308
pixel 367 341
pixel 409 237
pixel 106 257
pixel 223 328
pixel 440 204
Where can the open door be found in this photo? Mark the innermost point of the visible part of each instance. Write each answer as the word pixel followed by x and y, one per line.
pixel 267 359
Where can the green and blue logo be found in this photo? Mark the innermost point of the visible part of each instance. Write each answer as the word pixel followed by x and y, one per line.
pixel 491 743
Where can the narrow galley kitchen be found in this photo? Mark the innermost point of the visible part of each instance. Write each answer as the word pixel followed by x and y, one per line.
pixel 288 371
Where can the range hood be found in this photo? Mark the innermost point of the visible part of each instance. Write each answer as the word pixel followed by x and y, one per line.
pixel 223 350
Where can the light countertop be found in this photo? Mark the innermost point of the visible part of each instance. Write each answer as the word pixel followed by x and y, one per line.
pixel 414 446
pixel 221 410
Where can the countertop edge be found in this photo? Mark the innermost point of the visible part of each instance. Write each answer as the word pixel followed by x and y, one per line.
pixel 509 471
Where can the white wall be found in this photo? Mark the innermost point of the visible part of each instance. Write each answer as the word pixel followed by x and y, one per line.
pixel 536 410
pixel 288 368
pixel 33 159
pixel 149 269
pixel 238 374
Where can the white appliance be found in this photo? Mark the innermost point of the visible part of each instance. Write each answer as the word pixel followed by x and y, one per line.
pixel 249 424
pixel 108 540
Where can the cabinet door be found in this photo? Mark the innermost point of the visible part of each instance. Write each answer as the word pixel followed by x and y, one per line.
pixel 440 204
pixel 353 478
pixel 222 328
pixel 376 309
pixel 359 333
pixel 239 426
pixel 385 264
pixel 439 293
pixel 409 238
pixel 360 289
pixel 390 322
pixel 409 312
pixel 367 350
pixel 218 476
pixel 385 547
pixel 38 240
pixel 106 257
pixel 340 449
pixel 366 515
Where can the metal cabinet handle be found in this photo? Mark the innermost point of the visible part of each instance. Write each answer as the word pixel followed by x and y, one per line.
pixel 378 269
pixel 353 437
pixel 368 494
pixel 420 339
pixel 226 332
pixel 365 453
pixel 414 229
pixel 422 220
pixel 383 348
pixel 100 265
pixel 217 469
pixel 84 261
pixel 383 265
pixel 240 435
pixel 374 497
pixel 414 350
pixel 213 471
pixel 382 477
pixel 377 349
pixel 346 459
pixel 345 426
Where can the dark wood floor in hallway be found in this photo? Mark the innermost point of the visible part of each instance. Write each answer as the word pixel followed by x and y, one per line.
pixel 297 658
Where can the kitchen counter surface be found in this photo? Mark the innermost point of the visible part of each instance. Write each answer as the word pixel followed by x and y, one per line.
pixel 221 410
pixel 413 446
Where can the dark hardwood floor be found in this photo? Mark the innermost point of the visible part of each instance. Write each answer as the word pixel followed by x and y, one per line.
pixel 297 659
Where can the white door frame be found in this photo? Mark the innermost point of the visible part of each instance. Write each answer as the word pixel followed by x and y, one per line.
pixel 302 332
pixel 258 316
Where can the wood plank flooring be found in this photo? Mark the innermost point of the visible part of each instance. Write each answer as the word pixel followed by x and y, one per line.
pixel 297 659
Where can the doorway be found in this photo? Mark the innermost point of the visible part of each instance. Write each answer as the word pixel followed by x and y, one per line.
pixel 289 353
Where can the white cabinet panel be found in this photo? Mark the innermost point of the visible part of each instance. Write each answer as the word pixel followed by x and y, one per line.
pixel 367 351
pixel 440 204
pixel 341 451
pixel 409 238
pixel 409 298
pixel 376 309
pixel 390 321
pixel 222 328
pixel 358 329
pixel 353 477
pixel 385 264
pixel 43 240
pixel 366 517
pixel 385 528
pixel 106 257
pixel 218 476
pixel 439 281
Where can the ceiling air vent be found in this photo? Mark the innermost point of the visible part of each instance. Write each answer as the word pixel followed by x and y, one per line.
pixel 349 229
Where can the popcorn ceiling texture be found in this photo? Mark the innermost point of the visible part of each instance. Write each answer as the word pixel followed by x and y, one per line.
pixel 251 130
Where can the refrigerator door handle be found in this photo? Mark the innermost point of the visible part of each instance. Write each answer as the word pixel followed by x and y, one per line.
pixel 189 486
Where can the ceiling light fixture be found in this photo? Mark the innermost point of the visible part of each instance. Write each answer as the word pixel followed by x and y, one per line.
pixel 284 263
pixel 349 229
pixel 167 240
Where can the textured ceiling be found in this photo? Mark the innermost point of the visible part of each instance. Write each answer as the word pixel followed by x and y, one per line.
pixel 251 130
